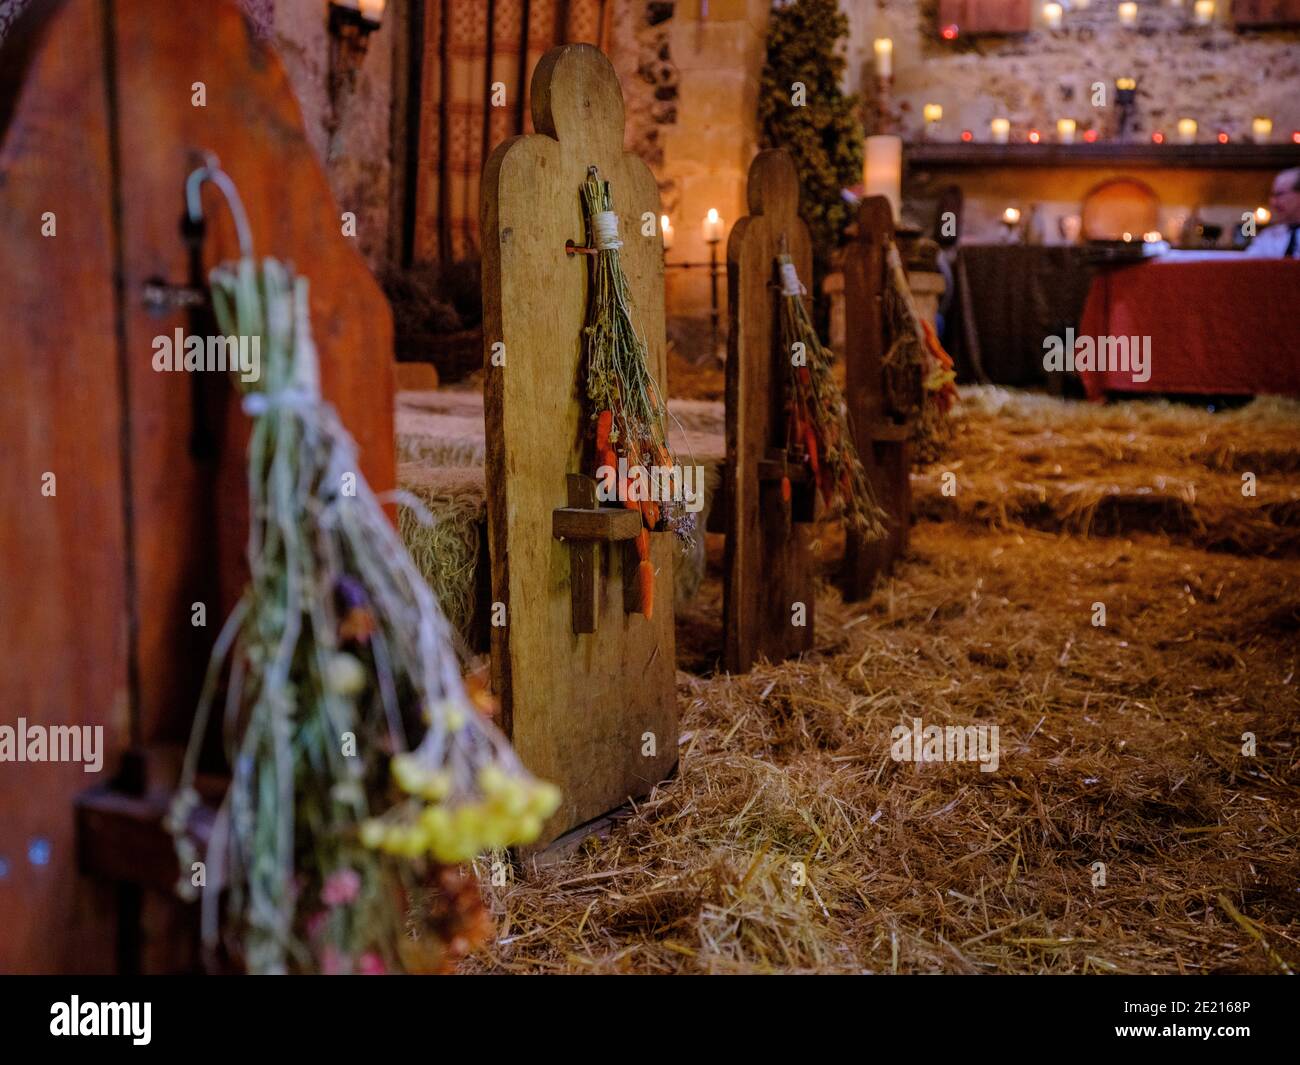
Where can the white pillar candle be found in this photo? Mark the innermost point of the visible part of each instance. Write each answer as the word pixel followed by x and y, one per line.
pixel 884 48
pixel 1065 128
pixel 712 227
pixel 666 230
pixel 1000 128
pixel 883 170
pixel 1261 129
pixel 1052 16
pixel 1187 130
pixel 1128 14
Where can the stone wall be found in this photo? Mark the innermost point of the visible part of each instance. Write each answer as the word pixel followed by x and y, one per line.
pixel 1213 74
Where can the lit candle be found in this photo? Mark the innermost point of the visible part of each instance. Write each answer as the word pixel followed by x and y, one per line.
pixel 1263 215
pixel 934 112
pixel 1203 12
pixel 1126 84
pixel 1065 128
pixel 883 169
pixel 1262 129
pixel 1187 130
pixel 1052 16
pixel 884 57
pixel 1034 136
pixel 666 229
pixel 712 227
pixel 1001 130
pixel 1011 216
pixel 372 10
pixel 1153 237
pixel 1128 14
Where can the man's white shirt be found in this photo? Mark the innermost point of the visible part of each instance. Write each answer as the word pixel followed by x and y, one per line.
pixel 1271 243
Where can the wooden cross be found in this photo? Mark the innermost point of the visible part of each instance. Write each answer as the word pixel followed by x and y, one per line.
pixel 584 525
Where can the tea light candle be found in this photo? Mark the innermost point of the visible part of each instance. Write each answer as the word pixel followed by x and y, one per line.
pixel 1065 128
pixel 1011 216
pixel 1187 131
pixel 1128 14
pixel 884 48
pixel 1001 130
pixel 666 230
pixel 1203 12
pixel 1052 16
pixel 712 227
pixel 1261 129
pixel 1263 216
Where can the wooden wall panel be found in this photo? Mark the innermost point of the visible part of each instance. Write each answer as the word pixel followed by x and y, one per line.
pixel 190 513
pixel 63 595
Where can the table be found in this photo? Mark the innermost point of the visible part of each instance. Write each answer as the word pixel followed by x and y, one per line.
pixel 1215 327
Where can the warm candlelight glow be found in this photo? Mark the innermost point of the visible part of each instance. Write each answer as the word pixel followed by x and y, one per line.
pixel 1065 128
pixel 933 113
pixel 1001 130
pixel 1263 215
pixel 1128 13
pixel 1158 137
pixel 1203 12
pixel 1126 84
pixel 666 229
pixel 884 57
pixel 712 227
pixel 1052 16
pixel 1152 237
pixel 1261 129
pixel 1187 130
pixel 1011 216
pixel 372 9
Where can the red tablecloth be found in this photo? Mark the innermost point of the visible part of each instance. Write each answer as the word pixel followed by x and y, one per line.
pixel 1229 327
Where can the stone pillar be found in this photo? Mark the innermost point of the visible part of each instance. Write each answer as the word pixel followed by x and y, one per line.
pixel 707 151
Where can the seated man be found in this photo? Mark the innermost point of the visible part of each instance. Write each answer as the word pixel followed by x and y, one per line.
pixel 1282 239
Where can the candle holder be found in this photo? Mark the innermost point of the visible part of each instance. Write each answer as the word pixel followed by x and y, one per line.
pixel 1125 106
pixel 350 25
pixel 713 226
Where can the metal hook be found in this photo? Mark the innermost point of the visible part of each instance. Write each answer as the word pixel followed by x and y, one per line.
pixel 211 171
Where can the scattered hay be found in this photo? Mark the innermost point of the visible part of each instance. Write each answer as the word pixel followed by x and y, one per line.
pixel 1120 744
pixel 1022 459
